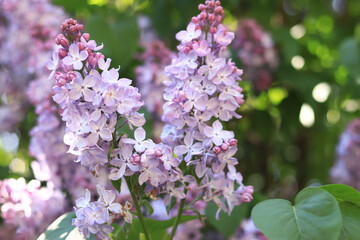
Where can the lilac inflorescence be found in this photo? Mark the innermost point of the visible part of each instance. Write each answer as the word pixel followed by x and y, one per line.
pixel 257 52
pixel 203 88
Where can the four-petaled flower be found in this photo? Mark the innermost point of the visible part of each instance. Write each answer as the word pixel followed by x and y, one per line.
pixel 75 57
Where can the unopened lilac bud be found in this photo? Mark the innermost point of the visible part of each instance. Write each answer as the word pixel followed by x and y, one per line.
pixel 92 61
pixel 81 46
pixel 246 197
pixel 135 159
pixel 79 27
pixel 249 189
pixel 217 3
pixel 217 149
pixel 86 36
pixel 203 15
pixel 182 96
pixel 211 17
pixel 224 146
pixel 194 19
pixel 158 153
pixel 70 76
pixel 212 4
pixel 64 42
pixel 202 7
pixel 239 100
pixel 212 30
pixel 62 53
pixel 232 142
pixel 218 10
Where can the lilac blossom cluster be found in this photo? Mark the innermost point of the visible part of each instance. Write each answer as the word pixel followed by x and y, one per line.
pixel 203 88
pixel 257 52
pixel 31 33
pixel 92 216
pixel 95 104
pixel 346 169
pixel 27 206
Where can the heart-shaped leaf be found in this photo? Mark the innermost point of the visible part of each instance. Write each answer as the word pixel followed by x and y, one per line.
pixel 62 229
pixel 343 193
pixel 350 220
pixel 349 203
pixel 315 215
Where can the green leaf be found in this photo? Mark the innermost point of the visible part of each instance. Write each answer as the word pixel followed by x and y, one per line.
pixel 148 207
pixel 349 203
pixel 315 215
pixel 171 205
pixel 343 193
pixel 226 224
pixel 350 220
pixel 62 229
pixel 117 184
pixel 118 232
pixel 157 229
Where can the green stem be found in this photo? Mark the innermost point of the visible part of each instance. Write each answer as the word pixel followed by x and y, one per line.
pixel 138 210
pixel 177 220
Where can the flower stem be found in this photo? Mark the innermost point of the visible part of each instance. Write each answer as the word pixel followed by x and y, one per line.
pixel 177 220
pixel 138 210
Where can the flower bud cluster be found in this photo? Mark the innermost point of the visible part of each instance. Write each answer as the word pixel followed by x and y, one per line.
pixel 202 89
pixel 257 52
pixel 346 169
pixel 26 206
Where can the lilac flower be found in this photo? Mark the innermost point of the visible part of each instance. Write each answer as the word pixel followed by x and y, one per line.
pixel 189 34
pixel 75 57
pixel 216 133
pixel 80 87
pixel 98 129
pixel 201 48
pixel 212 66
pixel 224 76
pixel 223 37
pixel 190 148
pixel 139 143
pixel 123 163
